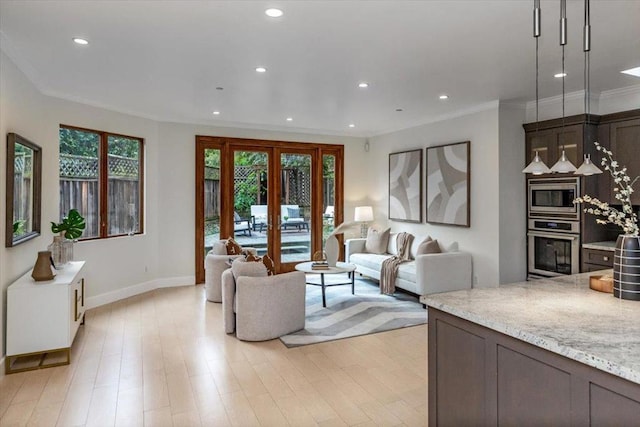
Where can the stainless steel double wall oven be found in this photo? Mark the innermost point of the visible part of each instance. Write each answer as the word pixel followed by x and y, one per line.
pixel 553 226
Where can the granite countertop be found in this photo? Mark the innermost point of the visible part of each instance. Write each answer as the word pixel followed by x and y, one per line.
pixel 603 246
pixel 561 315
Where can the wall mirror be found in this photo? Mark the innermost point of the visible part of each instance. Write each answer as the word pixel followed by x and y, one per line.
pixel 24 172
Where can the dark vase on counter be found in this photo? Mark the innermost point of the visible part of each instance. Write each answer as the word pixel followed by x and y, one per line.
pixel 626 268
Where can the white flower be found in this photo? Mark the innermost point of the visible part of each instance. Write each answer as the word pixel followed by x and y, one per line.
pixel 626 219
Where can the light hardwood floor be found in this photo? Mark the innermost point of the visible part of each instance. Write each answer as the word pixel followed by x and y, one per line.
pixel 163 359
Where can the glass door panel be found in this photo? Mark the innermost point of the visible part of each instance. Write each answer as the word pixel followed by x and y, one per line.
pixel 328 195
pixel 295 214
pixel 251 222
pixel 211 198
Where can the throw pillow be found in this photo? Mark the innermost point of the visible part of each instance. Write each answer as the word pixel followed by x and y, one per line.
pixel 219 248
pixel 293 212
pixel 453 247
pixel 265 260
pixel 241 267
pixel 233 248
pixel 429 247
pixel 377 241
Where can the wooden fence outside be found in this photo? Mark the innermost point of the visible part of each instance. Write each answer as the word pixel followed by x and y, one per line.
pixel 79 190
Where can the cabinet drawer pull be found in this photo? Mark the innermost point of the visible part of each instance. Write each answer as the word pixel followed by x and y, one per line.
pixel 606 258
pixel 76 315
pixel 82 296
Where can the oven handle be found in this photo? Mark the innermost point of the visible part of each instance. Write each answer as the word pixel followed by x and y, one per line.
pixel 553 235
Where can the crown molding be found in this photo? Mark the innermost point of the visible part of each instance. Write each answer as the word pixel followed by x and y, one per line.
pixel 491 105
pixel 623 91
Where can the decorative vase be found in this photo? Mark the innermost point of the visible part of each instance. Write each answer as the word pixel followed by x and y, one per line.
pixel 332 249
pixel 61 251
pixel 626 268
pixel 42 268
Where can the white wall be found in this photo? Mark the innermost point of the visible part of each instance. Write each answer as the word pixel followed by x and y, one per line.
pixel 512 214
pixel 482 238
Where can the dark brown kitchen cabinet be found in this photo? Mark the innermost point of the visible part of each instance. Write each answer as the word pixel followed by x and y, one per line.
pixel 480 377
pixel 549 144
pixel 595 259
pixel 550 137
pixel 620 133
pixel 625 146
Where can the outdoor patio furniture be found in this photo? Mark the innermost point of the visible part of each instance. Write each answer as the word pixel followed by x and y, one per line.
pixel 258 216
pixel 241 224
pixel 290 217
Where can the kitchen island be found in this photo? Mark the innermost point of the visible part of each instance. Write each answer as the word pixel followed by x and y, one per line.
pixel 543 352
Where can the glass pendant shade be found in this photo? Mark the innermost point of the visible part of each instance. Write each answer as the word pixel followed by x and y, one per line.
pixel 536 167
pixel 563 165
pixel 587 167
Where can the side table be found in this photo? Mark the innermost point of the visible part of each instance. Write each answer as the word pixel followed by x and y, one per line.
pixel 340 268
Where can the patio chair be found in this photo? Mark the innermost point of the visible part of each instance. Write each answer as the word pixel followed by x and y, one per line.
pixel 241 224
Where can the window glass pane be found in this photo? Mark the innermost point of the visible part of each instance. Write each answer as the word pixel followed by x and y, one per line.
pixel 79 173
pixel 295 207
pixel 328 195
pixel 123 187
pixel 250 221
pixel 22 190
pixel 211 198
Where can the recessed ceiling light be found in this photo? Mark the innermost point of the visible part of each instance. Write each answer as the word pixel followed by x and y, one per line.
pixel 261 70
pixel 78 40
pixel 560 75
pixel 352 125
pixel 632 71
pixel 444 97
pixel 363 85
pixel 216 113
pixel 274 13
pixel 289 119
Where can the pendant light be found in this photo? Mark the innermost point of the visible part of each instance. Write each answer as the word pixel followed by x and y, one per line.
pixel 563 165
pixel 537 166
pixel 587 168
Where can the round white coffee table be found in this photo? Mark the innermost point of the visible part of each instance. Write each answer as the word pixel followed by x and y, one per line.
pixel 340 268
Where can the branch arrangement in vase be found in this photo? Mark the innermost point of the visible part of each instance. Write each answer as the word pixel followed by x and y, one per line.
pixel 625 218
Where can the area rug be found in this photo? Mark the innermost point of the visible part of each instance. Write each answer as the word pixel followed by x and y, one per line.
pixel 347 315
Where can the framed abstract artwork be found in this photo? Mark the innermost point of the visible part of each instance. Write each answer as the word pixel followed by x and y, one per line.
pixel 405 186
pixel 448 179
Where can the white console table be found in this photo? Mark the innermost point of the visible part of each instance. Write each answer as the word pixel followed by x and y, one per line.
pixel 43 319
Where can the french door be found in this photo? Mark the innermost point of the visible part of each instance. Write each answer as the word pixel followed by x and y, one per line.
pixel 281 198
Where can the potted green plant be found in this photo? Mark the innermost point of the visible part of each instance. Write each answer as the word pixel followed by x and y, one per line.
pixel 70 228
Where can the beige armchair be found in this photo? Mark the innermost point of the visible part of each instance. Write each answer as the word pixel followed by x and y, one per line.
pixel 260 308
pixel 215 263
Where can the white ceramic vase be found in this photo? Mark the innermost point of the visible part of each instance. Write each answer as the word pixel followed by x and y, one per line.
pixel 332 249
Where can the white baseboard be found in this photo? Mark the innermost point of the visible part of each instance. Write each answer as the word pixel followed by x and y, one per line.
pixel 140 288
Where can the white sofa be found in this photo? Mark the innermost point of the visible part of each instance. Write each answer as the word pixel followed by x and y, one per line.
pixel 450 270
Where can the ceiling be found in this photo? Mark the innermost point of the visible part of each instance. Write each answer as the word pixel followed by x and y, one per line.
pixel 165 59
